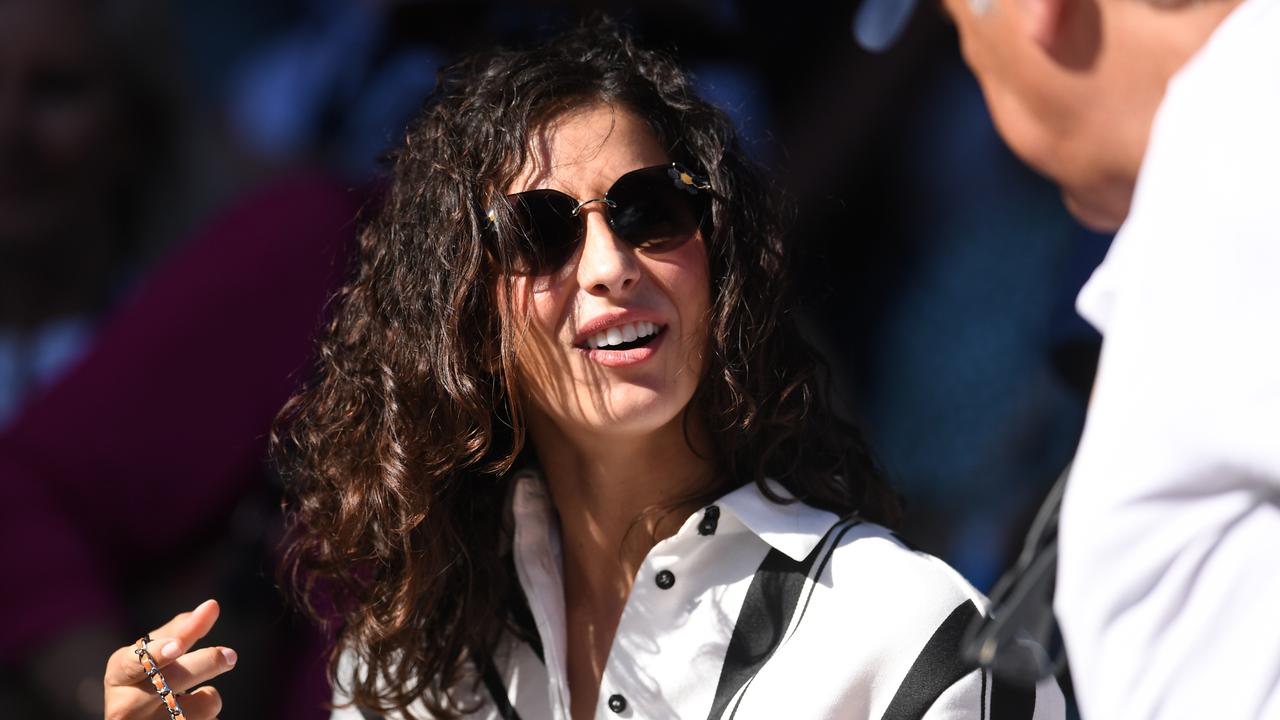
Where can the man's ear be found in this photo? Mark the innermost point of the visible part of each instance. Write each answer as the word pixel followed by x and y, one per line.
pixel 1069 31
pixel 1042 20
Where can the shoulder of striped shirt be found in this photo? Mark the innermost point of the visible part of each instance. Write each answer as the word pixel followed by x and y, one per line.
pixel 899 567
pixel 921 592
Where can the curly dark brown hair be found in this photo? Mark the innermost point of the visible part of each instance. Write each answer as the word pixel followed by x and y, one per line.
pixel 397 454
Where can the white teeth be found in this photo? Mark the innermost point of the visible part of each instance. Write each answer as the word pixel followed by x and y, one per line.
pixel 622 333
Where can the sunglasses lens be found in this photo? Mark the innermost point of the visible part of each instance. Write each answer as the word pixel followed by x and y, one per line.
pixel 546 231
pixel 655 209
pixel 651 212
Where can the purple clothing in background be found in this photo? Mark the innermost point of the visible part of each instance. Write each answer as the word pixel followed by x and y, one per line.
pixel 152 437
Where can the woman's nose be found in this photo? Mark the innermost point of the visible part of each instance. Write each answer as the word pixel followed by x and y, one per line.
pixel 608 265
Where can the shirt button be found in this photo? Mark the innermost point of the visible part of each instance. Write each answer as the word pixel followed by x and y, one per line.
pixel 710 518
pixel 665 579
pixel 617 703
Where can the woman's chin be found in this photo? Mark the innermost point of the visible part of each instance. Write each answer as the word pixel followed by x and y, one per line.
pixel 632 413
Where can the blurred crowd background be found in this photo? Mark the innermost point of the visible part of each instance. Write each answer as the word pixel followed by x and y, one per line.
pixel 179 186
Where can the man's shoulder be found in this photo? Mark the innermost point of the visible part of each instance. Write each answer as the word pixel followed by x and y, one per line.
pixel 1224 104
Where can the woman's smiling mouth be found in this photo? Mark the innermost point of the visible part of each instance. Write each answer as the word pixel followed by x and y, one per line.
pixel 624 337
pixel 623 345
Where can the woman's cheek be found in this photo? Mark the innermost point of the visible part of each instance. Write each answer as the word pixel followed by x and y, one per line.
pixel 538 310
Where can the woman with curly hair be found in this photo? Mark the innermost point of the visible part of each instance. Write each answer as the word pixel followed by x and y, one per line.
pixel 565 454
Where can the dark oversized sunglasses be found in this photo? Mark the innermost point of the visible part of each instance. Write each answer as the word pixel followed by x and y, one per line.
pixel 656 209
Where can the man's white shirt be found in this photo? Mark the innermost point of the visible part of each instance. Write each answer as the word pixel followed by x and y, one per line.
pixel 755 609
pixel 1169 575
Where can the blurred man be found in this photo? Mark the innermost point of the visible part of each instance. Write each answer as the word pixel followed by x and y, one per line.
pixel 92 177
pixel 1160 118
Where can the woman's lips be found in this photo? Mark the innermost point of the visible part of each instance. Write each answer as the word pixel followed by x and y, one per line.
pixel 626 358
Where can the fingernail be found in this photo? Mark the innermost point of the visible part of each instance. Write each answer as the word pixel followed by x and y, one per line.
pixel 229 655
pixel 170 650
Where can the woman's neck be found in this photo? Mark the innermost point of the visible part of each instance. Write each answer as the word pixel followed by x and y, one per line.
pixel 616 497
pixel 602 488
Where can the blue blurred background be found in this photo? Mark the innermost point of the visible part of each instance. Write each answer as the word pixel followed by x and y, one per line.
pixel 179 187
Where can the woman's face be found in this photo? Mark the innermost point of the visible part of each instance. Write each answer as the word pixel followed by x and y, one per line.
pixel 608 288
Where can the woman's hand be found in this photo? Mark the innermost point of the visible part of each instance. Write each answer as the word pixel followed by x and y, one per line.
pixel 129 693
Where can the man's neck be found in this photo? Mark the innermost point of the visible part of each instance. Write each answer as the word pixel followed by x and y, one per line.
pixel 1143 45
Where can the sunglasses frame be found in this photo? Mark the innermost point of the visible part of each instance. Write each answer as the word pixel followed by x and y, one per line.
pixel 682 179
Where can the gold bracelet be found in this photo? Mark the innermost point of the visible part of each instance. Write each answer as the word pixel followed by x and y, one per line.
pixel 168 697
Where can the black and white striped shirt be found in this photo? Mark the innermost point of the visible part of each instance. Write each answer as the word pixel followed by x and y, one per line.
pixel 757 610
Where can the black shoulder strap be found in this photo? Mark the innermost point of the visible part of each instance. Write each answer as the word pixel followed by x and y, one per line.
pixel 498 692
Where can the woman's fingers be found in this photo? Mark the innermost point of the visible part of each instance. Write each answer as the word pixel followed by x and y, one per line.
pixel 202 704
pixel 129 693
pixel 188 627
pixel 198 667
pixel 168 642
pixel 125 668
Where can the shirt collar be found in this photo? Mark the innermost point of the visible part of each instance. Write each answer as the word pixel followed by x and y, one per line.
pixel 794 529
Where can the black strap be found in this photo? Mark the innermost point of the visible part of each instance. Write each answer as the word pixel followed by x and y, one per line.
pixel 523 617
pixel 1010 701
pixel 498 692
